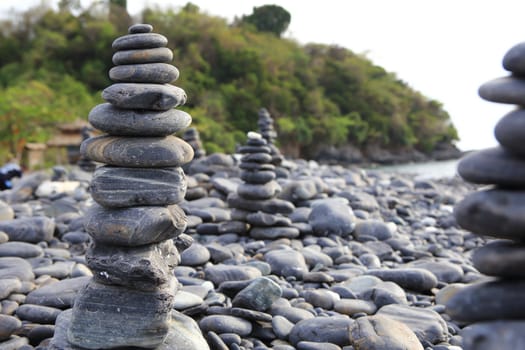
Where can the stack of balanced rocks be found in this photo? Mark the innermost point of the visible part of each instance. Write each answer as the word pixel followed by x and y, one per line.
pixel 255 201
pixel 266 129
pixel 191 136
pixel 135 221
pixel 495 309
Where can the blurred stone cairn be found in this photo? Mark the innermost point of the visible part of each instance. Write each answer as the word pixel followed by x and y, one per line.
pixel 494 310
pixel 266 129
pixel 255 201
pixel 191 136
pixel 135 222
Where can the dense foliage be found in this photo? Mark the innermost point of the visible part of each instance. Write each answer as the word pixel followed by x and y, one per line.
pixel 53 65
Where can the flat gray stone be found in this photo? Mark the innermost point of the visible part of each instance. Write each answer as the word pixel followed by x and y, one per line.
pixel 500 258
pixel 159 97
pixel 494 335
pixel 8 286
pixel 60 294
pixel 493 166
pixel 134 226
pixel 140 28
pixel 494 212
pixel 415 279
pixel 331 216
pixel 272 206
pixel 373 228
pixel 59 269
pixel 155 55
pixel 111 316
pixel 128 122
pixel 267 220
pixel 195 255
pixel 286 262
pixel 128 187
pixel 259 157
pixel 486 301
pixel 29 229
pixel 38 313
pixel 274 232
pixel 8 326
pixel 259 191
pixel 332 329
pixel 257 177
pixel 514 59
pixel 138 152
pixel 16 268
pixel 20 249
pixel 220 273
pixel 225 324
pixel 143 267
pixel 509 131
pixel 443 269
pixel 156 73
pixel 382 333
pixel 510 90
pixel 139 41
pixel 258 295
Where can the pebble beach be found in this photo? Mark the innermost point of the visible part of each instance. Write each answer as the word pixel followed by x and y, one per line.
pixel 362 259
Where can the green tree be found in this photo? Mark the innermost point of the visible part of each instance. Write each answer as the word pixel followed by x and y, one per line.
pixel 269 18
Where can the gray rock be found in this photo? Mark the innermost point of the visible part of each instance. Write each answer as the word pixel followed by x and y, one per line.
pixel 272 206
pixel 508 89
pixel 493 212
pixel 155 55
pixel 184 333
pixel 38 313
pixel 195 255
pixel 315 257
pixel 225 324
pixel 322 298
pixel 31 230
pixel 128 187
pixel 382 333
pixel 138 152
pixel 331 216
pixel 373 228
pixel 257 177
pixel 127 122
pixel 415 279
pixel 313 345
pixel 8 286
pixel 264 219
pixel 286 262
pixel 59 269
pixel 60 294
pixel 140 28
pixel 443 269
pixel 487 301
pixel 139 41
pixel 274 232
pixel 221 273
pixel 493 166
pixel 158 97
pixel 110 316
pixel 494 335
pixel 156 73
pixel 513 60
pixel 20 249
pixel 427 324
pixel 134 226
pixel 386 293
pixel 6 212
pixel 292 314
pixel 15 343
pixel 24 189
pixel 500 258
pixel 258 295
pixel 143 267
pixel 16 268
pixel 353 306
pixel 509 133
pixel 8 326
pixel 281 326
pixel 322 329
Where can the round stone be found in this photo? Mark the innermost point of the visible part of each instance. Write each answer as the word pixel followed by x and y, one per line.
pixel 331 216
pixel 332 329
pixel 8 326
pixel 258 295
pixel 267 220
pixel 20 249
pixel 38 313
pixel 274 232
pixel 494 335
pixel 138 152
pixel 127 187
pixel 514 59
pixel 494 212
pixel 139 41
pixel 257 158
pixel 157 73
pixel 60 295
pixel 409 278
pixel 257 177
pixel 226 324
pixel 272 206
pixel 29 229
pixel 134 226
pixel 286 262
pixel 156 55
pixel 500 258
pixel 510 90
pixel 159 97
pixel 254 149
pixel 140 28
pixel 259 191
pixel 509 131
pixel 493 166
pixel 127 122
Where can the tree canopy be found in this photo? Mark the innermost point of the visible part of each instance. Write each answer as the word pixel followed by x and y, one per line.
pixel 53 66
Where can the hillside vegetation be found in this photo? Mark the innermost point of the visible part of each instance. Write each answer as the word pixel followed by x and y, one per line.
pixel 53 65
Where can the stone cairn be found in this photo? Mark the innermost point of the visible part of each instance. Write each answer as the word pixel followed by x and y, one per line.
pixel 255 201
pixel 191 136
pixel 135 222
pixel 495 309
pixel 266 129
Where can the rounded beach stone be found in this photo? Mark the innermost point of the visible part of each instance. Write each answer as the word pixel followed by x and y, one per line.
pixel 493 166
pixel 286 262
pixel 510 90
pixel 195 255
pixel 8 326
pixel 267 220
pixel 16 268
pixel 127 122
pixel 354 306
pixel 509 131
pixel 159 97
pixel 254 149
pixel 6 212
pixel 60 294
pixel 257 158
pixel 382 333
pixel 259 191
pixel 139 41
pixel 494 335
pixel 156 73
pixel 485 301
pixel 222 272
pixel 112 316
pixel 127 187
pixel 143 267
pixel 272 206
pixel 29 229
pixel 38 313
pixel 225 324
pixel 500 258
pixel 331 216
pixel 514 59
pixel 156 55
pixel 138 152
pixel 140 28
pixel 494 212
pixel 134 226
pixel 20 249
pixel 332 329
pixel 258 295
pixel 373 228
pixel 257 177
pixel 409 278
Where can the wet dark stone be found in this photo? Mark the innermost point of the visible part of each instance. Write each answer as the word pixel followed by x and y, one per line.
pixel 514 61
pixel 500 258
pixel 510 90
pixel 140 28
pixel 31 229
pixel 257 177
pixel 60 295
pixel 139 41
pixel 509 131
pixel 156 55
pixel 159 97
pixel 156 73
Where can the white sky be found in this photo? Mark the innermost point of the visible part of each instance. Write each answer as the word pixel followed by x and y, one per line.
pixel 443 48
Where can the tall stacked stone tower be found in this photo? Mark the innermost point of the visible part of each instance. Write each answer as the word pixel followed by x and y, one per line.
pixel 129 301
pixel 266 129
pixel 496 308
